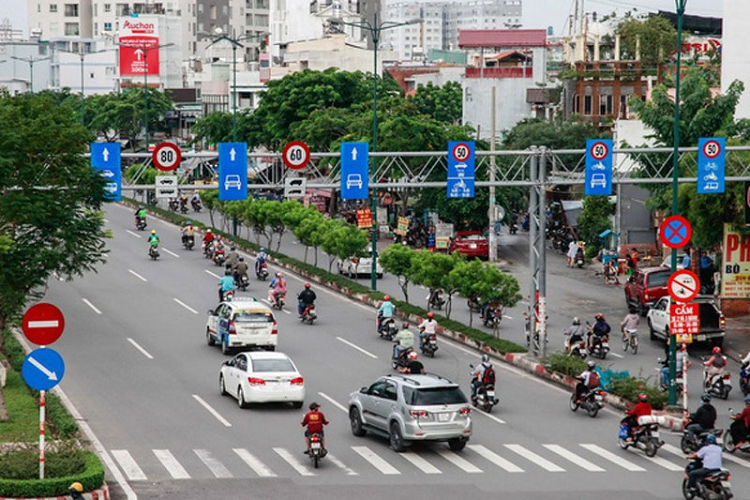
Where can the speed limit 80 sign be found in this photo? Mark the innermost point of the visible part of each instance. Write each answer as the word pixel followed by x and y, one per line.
pixel 296 155
pixel 166 156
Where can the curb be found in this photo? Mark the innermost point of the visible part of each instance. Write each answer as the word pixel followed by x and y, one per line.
pixel 98 494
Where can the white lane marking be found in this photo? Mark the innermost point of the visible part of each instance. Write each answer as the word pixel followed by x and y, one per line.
pixel 88 303
pixel 175 469
pixel 137 275
pixel 171 253
pixel 495 458
pixel 576 459
pixel 616 355
pixel 285 311
pixel 128 465
pixel 608 455
pixel 491 417
pixel 726 456
pixel 533 457
pixel 291 460
pixel 144 351
pixel 375 460
pixel 458 461
pixel 42 323
pixel 252 462
pixel 420 463
pixel 213 274
pixel 106 221
pixel 356 347
pixel 217 468
pixel 338 463
pixel 334 402
pixel 134 234
pixel 665 463
pixel 186 306
pixel 212 411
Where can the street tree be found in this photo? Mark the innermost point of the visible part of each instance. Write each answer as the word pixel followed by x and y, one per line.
pixel 444 104
pixel 214 127
pixel 401 261
pixel 653 38
pixel 309 232
pixel 432 270
pixel 210 201
pixel 595 218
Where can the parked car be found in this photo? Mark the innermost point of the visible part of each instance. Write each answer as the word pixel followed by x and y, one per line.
pixel 645 287
pixel 240 324
pixel 471 244
pixel 712 322
pixel 406 408
pixel 262 377
pixel 359 266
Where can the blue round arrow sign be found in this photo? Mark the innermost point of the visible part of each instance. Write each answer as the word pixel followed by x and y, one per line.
pixel 43 369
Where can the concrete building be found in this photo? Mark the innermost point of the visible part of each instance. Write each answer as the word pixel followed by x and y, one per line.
pixel 26 66
pixel 83 64
pixel 735 64
pixel 58 18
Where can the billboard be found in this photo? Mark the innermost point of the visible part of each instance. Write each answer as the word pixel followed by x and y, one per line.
pixel 735 275
pixel 139 47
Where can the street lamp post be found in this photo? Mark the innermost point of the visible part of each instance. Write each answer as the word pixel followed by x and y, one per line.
pixel 375 29
pixel 81 54
pixel 31 61
pixel 680 6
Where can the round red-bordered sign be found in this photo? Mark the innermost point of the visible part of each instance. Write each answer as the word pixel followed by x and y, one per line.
pixel 166 156
pixel 683 286
pixel 43 324
pixel 296 155
pixel 599 151
pixel 461 152
pixel 711 149
pixel 675 231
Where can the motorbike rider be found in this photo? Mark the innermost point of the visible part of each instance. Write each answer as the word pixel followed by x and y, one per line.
pixel 710 456
pixel 436 298
pixel 740 428
pixel 629 324
pixel 260 259
pixel 702 419
pixel 305 298
pixel 195 200
pixel 576 332
pixel 403 341
pixel 600 330
pixel 226 283
pixel 641 409
pixel 153 240
pixel 681 357
pixel 413 367
pixel 183 203
pixel 479 375
pixel 208 238
pixel 714 366
pixel 232 258
pixel 140 215
pixel 314 421
pixel 217 247
pixel 277 286
pixel 240 269
pixel 426 328
pixel 588 380
pixel 385 310
pixel 188 232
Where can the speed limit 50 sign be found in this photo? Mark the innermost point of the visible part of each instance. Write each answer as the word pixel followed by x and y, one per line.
pixel 166 156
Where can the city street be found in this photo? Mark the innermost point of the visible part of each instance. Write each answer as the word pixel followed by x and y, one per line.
pixel 139 371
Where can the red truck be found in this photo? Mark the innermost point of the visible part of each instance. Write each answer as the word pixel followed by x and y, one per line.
pixel 645 287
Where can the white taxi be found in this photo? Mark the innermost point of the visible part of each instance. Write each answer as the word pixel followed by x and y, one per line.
pixel 243 323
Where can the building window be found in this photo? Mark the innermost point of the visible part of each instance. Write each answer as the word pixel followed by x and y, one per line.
pixel 605 105
pixel 107 7
pixel 71 10
pixel 587 105
pixel 38 7
pixel 107 26
pixel 96 29
pixel 71 29
pixel 577 104
pixel 53 8
pixel 212 12
pixel 623 107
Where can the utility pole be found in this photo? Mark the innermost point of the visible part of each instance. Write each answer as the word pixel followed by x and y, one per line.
pixel 492 211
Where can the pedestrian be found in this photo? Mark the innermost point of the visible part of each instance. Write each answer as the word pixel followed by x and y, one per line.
pixel 686 261
pixel 572 252
pixel 634 256
pixel 706 271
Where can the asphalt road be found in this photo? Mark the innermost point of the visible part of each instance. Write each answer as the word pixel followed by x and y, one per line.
pixel 141 375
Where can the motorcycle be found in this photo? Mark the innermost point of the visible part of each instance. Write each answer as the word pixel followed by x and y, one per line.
pixel 387 329
pixel 317 452
pixel 729 445
pixel 592 402
pixel 140 223
pixel 262 272
pixel 436 300
pixel 173 205
pixel 242 281
pixel 401 360
pixel 745 379
pixel 183 207
pixel 714 486
pixel 227 296
pixel 428 345
pixel 719 385
pixel 579 259
pixel 219 257
pixel 196 204
pixel 678 379
pixel 278 300
pixel 492 317
pixel 645 436
pixel 474 304
pixel 692 444
pixel 485 395
pixel 577 349
pixel 513 228
pixel 188 242
pixel 308 314
pixel 630 339
pixel 207 249
pixel 599 346
pixel 153 252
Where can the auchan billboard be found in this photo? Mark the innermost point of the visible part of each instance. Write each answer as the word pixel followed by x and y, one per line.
pixel 139 47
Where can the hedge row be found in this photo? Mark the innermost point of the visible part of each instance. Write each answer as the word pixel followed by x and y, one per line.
pixel 90 475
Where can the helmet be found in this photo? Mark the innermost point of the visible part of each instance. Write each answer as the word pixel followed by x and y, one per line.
pixel 599 316
pixel 227 273
pixel 711 439
pixel 386 297
pixel 576 321
pixel 189 223
pixel 485 358
pixel 307 285
pixel 405 325
pixel 153 231
pixel 591 365
pixel 242 259
pixel 77 487
pixel 314 405
pixel 717 350
pixel 430 315
pixel 208 230
pixel 232 249
pixel 643 397
pixel 279 275
pixel 262 249
pixel 706 398
pixel 412 355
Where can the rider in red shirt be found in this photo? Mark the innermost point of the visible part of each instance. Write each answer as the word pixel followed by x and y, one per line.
pixel 641 409
pixel 314 420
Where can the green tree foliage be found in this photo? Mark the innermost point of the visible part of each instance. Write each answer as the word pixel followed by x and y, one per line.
pixel 656 36
pixel 50 218
pixel 309 233
pixel 596 217
pixel 433 269
pixel 401 261
pixel 215 127
pixel 444 104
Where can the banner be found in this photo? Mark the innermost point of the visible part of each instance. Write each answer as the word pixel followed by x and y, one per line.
pixel 364 218
pixel 735 269
pixel 139 42
pixel 403 226
pixel 443 233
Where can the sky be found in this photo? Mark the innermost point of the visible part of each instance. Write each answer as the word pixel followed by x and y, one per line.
pixel 537 13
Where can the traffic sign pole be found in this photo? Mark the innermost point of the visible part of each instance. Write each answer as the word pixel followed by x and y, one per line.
pixel 42 412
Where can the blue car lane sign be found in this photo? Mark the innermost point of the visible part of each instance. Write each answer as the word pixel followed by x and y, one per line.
pixel 711 162
pixel 43 369
pixel 105 159
pixel 355 157
pixel 232 171
pixel 460 169
pixel 598 167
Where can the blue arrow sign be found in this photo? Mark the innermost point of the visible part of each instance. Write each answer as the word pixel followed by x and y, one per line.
pixel 711 159
pixel 43 369
pixel 461 169
pixel 105 158
pixel 354 172
pixel 598 167
pixel 232 171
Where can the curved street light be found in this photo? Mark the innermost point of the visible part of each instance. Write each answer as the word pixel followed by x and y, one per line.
pixel 31 61
pixel 81 54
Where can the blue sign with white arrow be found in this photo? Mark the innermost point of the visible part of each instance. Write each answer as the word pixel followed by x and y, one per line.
pixel 232 171
pixel 461 169
pixel 598 167
pixel 105 159
pixel 711 159
pixel 354 172
pixel 43 369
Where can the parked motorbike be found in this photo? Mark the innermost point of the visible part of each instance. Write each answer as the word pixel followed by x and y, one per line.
pixel 140 223
pixel 219 257
pixel 720 384
pixel 401 360
pixel 262 272
pixel 153 252
pixel 188 242
pixel 485 399
pixel 692 444
pixel 630 340
pixel 591 402
pixel 645 436
pixel 196 204
pixel 745 379
pixel 429 345
pixel 436 300
pixel 729 445
pixel 577 349
pixel 714 486
pixel 388 328
pixel 308 314
pixel 317 452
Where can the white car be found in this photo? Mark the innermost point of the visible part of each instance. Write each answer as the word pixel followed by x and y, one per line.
pixel 358 266
pixel 242 323
pixel 262 377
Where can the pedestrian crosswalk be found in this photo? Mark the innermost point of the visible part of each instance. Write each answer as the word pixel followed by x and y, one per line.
pixel 377 459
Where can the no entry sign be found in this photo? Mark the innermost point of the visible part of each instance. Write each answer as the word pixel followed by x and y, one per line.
pixel 43 324
pixel 683 286
pixel 675 231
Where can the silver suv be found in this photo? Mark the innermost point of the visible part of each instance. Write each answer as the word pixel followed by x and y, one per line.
pixel 407 408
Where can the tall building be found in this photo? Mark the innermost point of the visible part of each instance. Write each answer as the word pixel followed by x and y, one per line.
pixel 735 65
pixel 57 18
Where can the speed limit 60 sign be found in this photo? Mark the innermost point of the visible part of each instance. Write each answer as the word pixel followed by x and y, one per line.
pixel 296 155
pixel 166 156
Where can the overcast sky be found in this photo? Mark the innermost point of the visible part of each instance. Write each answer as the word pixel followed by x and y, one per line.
pixel 537 13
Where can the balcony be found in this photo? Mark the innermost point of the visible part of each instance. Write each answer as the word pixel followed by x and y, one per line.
pixel 499 72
